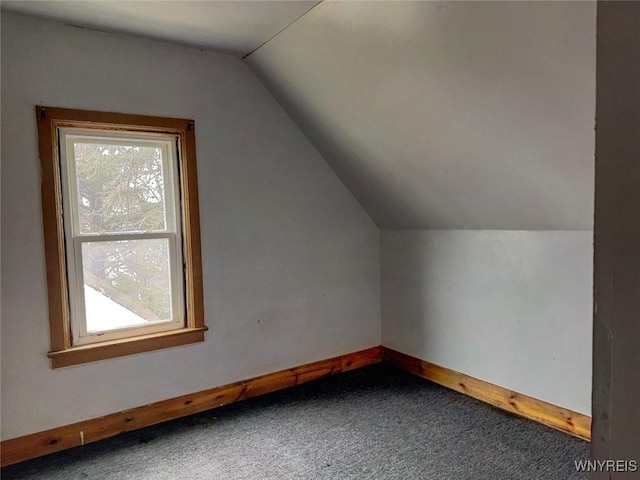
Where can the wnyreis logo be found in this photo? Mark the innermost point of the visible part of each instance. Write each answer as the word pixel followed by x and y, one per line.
pixel 606 465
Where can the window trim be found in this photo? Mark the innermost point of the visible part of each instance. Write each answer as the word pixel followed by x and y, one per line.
pixel 62 353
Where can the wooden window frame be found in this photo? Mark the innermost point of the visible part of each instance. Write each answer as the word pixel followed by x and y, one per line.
pixel 63 353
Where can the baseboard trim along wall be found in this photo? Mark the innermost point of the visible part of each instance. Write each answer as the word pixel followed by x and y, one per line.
pixel 42 443
pixel 50 441
pixel 548 414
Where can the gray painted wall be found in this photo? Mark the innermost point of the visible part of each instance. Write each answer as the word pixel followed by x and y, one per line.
pixel 447 115
pixel 290 259
pixel 510 308
pixel 444 116
pixel 616 346
pixel 471 115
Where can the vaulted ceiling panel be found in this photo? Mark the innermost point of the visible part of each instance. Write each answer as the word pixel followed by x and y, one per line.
pixel 473 115
pixel 234 27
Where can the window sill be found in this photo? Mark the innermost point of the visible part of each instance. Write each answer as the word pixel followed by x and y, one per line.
pixel 127 346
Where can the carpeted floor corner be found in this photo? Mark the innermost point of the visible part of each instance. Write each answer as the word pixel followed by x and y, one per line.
pixel 374 423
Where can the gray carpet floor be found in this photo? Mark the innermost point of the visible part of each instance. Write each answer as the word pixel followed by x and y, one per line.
pixel 374 423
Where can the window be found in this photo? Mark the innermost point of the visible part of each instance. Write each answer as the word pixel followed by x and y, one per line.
pixel 120 211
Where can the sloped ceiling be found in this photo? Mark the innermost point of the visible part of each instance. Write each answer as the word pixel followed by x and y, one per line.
pixel 233 27
pixel 448 115
pixel 471 115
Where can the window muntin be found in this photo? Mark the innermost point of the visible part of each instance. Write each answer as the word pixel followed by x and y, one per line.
pixel 123 239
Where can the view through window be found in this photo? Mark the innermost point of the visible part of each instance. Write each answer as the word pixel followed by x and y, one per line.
pixel 124 250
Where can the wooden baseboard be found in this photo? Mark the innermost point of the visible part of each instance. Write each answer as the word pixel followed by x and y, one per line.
pixel 546 413
pixel 38 444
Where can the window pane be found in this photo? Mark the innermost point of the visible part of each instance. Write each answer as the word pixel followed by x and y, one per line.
pixel 120 188
pixel 126 283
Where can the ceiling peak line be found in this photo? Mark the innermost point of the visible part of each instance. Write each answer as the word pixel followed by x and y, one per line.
pixel 280 31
